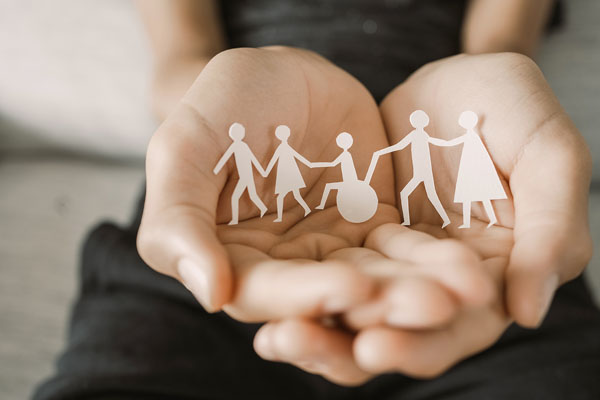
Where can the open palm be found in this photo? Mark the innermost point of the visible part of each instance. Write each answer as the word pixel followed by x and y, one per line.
pixel 184 229
pixel 541 159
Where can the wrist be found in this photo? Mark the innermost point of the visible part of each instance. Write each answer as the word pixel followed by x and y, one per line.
pixel 172 79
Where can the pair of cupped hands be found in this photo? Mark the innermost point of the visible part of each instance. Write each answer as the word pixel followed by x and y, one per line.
pixel 349 301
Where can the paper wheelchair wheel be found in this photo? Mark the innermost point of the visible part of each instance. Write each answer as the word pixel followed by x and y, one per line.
pixel 356 201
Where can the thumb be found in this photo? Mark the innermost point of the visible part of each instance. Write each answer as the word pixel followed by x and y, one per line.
pixel 550 185
pixel 177 235
pixel 539 264
pixel 181 243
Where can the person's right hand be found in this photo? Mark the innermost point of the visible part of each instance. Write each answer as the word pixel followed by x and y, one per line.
pixel 277 269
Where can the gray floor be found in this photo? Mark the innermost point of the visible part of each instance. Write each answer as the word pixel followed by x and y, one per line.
pixel 46 206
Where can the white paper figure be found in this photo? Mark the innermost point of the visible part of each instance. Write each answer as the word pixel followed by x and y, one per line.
pixel 356 200
pixel 421 161
pixel 288 178
pixel 477 177
pixel 244 159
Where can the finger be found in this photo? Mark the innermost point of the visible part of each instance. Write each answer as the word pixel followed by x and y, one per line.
pixel 426 354
pixel 402 243
pixel 552 239
pixel 177 235
pixel 311 347
pixel 470 283
pixel 410 303
pixel 407 296
pixel 272 289
pixel 487 243
pixel 448 261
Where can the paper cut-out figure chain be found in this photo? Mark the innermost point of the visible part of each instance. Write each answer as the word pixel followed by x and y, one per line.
pixel 356 200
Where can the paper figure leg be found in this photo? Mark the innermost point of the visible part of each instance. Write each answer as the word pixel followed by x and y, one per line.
pixel 466 215
pixel 328 188
pixel 256 200
pixel 280 199
pixel 435 200
pixel 408 189
pixel 301 201
pixel 298 198
pixel 235 202
pixel 489 209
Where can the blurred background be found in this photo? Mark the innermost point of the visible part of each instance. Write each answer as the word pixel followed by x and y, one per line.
pixel 74 124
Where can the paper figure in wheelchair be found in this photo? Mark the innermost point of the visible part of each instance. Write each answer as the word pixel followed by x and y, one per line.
pixel 356 200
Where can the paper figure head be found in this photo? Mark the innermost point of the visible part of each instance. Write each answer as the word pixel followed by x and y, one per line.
pixel 419 119
pixel 282 132
pixel 344 140
pixel 468 120
pixel 237 131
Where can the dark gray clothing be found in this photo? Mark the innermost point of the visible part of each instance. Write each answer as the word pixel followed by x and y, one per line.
pixel 380 42
pixel 136 334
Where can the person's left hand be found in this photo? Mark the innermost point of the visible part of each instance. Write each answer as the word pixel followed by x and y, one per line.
pixel 540 243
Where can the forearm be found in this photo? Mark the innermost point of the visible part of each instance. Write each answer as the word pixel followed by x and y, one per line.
pixel 171 82
pixel 184 35
pixel 493 26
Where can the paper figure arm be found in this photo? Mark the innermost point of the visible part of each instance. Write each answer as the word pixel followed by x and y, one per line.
pixel 223 160
pixel 303 160
pixel 257 165
pixel 272 163
pixel 398 146
pixel 327 164
pixel 447 143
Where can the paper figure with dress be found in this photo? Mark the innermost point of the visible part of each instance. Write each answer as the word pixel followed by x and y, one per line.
pixel 477 179
pixel 288 178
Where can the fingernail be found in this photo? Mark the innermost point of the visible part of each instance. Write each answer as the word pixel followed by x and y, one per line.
pixel 195 279
pixel 550 286
pixel 262 343
pixel 397 318
pixel 263 347
pixel 312 365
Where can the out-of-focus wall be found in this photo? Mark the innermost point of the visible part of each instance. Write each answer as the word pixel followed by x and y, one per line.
pixel 74 74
